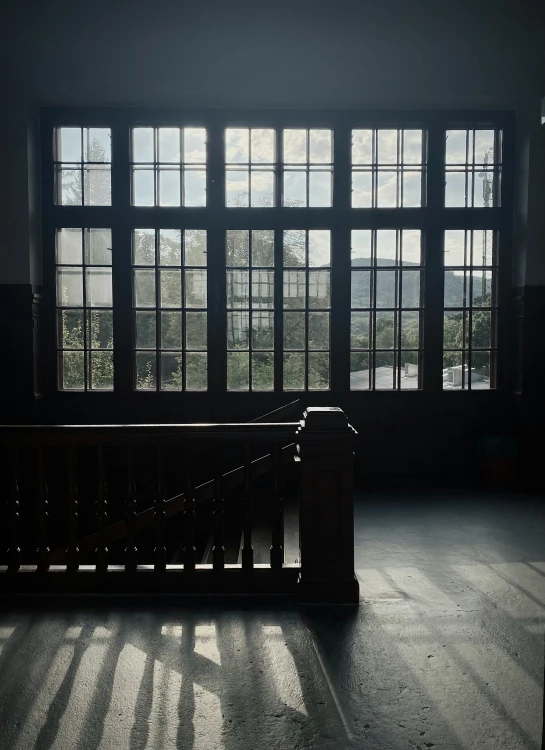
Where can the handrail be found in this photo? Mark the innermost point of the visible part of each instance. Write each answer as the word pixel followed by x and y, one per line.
pixel 146 434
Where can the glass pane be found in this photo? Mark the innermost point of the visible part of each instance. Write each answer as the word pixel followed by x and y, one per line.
pixel 263 145
pixel 481 326
pixel 412 146
pixel 455 248
pixel 72 367
pixel 384 330
pixel 170 289
pixel 263 371
pixel 295 247
pixel 102 371
pixel 146 376
pixel 195 145
pixel 143 187
pixel 238 371
pixel 97 145
pixel 359 371
pixel 480 371
pixel 411 247
pixel 69 187
pixel 169 145
pixel 456 149
pixel 386 247
pixel 454 376
pixel 455 189
pixel 361 247
pixel 196 371
pixel 387 147
pixel 263 330
pixel 482 288
pixel 100 329
pixel 69 287
pixel 386 289
pixel 171 371
pixel 142 145
pixel 144 247
pixel 195 289
pixel 453 331
pixel 484 147
pixel 145 330
pixel 408 375
pixel 69 246
pixel 69 144
pixel 295 188
pixel 195 330
pixel 98 283
pixel 70 329
pixel 98 188
pixel 318 289
pixel 294 289
pixel 361 289
pixel 237 142
pixel 262 247
pixel 362 146
pixel 320 147
pixel 362 190
pixel 294 330
pixel 262 188
pixel 412 189
pixel 318 331
pixel 195 247
pixel 387 190
pixel 170 247
pixel 169 187
pixel 319 189
pixel 319 247
pixel 384 371
pixel 238 330
pixel 238 289
pixel 236 188
pixel 144 288
pixel 483 247
pixel 410 330
pixel 237 247
pixel 318 370
pixel 359 330
pixel 294 371
pixel 262 289
pixel 98 247
pixel 410 289
pixel 295 146
pixel 194 187
pixel 455 288
pixel 171 330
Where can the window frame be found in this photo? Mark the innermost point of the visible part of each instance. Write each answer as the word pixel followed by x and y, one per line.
pixel 216 218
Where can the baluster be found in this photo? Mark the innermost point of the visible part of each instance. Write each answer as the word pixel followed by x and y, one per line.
pixel 160 517
pixel 218 550
pixel 14 552
pixel 247 549
pixel 277 547
pixel 101 514
pixel 131 551
pixel 72 553
pixel 189 518
pixel 43 515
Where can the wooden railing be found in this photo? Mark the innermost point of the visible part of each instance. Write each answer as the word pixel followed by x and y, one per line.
pixel 74 491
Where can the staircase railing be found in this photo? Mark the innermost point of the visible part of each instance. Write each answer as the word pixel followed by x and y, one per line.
pixel 47 505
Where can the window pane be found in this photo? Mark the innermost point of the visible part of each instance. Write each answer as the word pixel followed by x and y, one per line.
pixel 145 330
pixel 480 371
pixel 318 370
pixel 171 330
pixel 318 331
pixel 295 247
pixel 238 247
pixel 236 188
pixel 169 145
pixel 412 189
pixel 294 330
pixel 142 145
pixel 69 287
pixel 144 288
pixel 387 143
pixel 102 371
pixel 169 187
pixel 412 146
pixel 362 189
pixel 455 189
pixel 359 371
pixel 295 188
pixel 320 147
pixel 146 376
pixel 384 330
pixel 69 144
pixel 100 329
pixel 143 187
pixel 481 329
pixel 196 373
pixel 262 330
pixel 386 247
pixel 170 247
pixel 144 247
pixel 384 371
pixel 70 332
pixel 362 147
pixel 195 145
pixel 294 371
pixel 387 190
pixel 262 248
pixel 319 190
pixel 237 146
pixel 196 330
pixel 410 289
pixel 411 247
pixel 98 283
pixel 170 286
pixel 195 247
pixel 238 371
pixel 262 289
pixel 238 289
pixel 70 189
pixel 263 145
pixel 386 289
pixel 238 330
pixel 318 289
pixel 195 289
pixel 98 187
pixel 359 330
pixel 361 247
pixel 294 289
pixel 262 188
pixel 72 367
pixel 263 371
pixel 171 371
pixel 410 330
pixel 98 247
pixel 295 146
pixel 194 187
pixel 69 246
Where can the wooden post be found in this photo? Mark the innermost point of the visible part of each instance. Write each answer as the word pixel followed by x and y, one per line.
pixel 325 445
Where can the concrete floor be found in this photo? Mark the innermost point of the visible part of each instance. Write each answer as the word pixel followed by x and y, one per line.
pixel 445 651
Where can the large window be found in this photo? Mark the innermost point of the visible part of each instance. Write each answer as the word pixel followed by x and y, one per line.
pixel 276 252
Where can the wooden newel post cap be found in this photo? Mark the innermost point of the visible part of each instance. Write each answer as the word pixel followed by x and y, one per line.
pixel 325 424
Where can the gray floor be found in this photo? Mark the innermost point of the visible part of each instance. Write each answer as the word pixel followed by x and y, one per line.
pixel 445 651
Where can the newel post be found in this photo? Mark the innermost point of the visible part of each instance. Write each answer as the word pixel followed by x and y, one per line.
pixel 325 447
